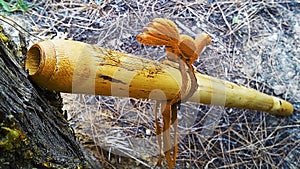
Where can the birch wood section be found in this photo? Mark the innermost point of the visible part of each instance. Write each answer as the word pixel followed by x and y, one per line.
pixel 76 67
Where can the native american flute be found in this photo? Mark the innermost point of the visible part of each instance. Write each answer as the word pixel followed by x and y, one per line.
pixel 76 67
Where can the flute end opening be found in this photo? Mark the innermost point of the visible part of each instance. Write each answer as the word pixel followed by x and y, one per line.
pixel 33 60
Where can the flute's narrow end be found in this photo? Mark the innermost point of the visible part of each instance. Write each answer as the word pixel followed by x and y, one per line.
pixel 33 60
pixel 282 107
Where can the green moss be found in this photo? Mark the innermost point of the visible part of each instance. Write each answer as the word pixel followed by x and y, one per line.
pixel 12 138
pixel 3 38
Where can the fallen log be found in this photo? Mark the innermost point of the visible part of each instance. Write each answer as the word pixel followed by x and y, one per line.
pixel 33 130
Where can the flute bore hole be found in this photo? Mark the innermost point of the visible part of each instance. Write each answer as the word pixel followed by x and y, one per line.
pixel 33 60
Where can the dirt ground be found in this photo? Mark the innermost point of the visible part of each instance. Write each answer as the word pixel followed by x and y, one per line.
pixel 255 44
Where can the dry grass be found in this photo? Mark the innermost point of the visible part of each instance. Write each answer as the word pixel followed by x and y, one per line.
pixel 255 44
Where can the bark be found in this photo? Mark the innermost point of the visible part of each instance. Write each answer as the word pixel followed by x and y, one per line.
pixel 33 130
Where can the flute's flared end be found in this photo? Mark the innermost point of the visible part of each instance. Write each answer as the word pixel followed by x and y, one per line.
pixel 33 60
pixel 41 60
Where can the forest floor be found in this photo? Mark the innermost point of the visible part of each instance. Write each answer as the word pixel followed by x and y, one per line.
pixel 255 44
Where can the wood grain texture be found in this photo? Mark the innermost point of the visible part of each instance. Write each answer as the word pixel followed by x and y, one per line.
pixel 76 67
